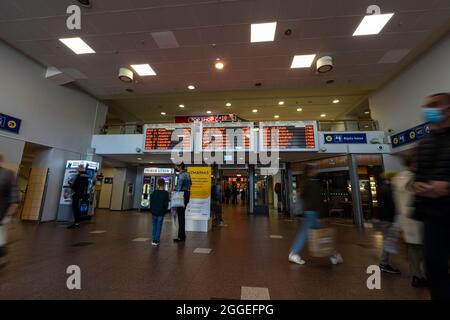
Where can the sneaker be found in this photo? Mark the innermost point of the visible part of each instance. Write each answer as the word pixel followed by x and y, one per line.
pixel 155 243
pixel 178 240
pixel 419 282
pixel 389 269
pixel 295 258
pixel 336 259
pixel 73 226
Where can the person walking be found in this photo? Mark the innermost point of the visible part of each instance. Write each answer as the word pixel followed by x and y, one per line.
pixel 234 193
pixel 432 188
pixel 159 205
pixel 412 229
pixel 227 194
pixel 216 201
pixel 388 223
pixel 8 205
pixel 79 192
pixel 312 206
pixel 184 185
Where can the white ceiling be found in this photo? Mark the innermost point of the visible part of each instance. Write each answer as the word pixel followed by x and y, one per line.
pixel 120 33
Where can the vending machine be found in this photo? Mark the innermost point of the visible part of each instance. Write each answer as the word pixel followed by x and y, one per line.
pixel 150 180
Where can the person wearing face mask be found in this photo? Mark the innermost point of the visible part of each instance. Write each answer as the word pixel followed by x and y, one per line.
pixel 431 187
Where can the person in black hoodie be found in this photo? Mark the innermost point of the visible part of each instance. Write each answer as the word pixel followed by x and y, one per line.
pixel 79 192
pixel 432 189
pixel 387 212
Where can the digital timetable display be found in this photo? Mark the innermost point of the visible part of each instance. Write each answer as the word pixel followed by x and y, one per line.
pixel 228 137
pixel 292 136
pixel 159 138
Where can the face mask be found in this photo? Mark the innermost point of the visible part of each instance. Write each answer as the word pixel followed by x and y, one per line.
pixel 433 115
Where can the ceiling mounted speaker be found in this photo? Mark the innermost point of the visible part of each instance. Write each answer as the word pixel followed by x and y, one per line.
pixel 85 3
pixel 325 64
pixel 126 75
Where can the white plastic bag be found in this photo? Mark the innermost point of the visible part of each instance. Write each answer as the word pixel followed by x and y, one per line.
pixel 177 199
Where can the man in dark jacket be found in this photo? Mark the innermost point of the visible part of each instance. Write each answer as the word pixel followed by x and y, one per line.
pixel 79 192
pixel 432 191
pixel 8 204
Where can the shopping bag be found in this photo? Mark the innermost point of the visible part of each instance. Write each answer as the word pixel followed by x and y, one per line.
pixel 322 242
pixel 177 199
pixel 391 240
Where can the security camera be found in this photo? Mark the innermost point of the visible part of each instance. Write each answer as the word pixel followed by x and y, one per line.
pixel 380 147
pixel 138 150
pixel 126 75
pixel 323 149
pixel 324 64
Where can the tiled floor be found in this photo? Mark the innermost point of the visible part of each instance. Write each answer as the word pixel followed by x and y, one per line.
pixel 243 255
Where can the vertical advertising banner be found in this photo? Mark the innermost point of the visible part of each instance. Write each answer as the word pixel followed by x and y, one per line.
pixel 200 201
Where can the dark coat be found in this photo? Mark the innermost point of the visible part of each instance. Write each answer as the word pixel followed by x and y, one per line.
pixel 386 203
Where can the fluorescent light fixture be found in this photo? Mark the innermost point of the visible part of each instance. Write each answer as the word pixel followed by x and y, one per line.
pixel 281 103
pixel 181 106
pixel 77 45
pixel 323 115
pixel 228 104
pixel 303 61
pixel 263 32
pixel 336 101
pixel 191 87
pixel 143 70
pixel 255 110
pixel 276 116
pixel 163 113
pixel 372 24
pixel 299 109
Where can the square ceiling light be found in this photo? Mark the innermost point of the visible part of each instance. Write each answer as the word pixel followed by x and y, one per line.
pixel 143 70
pixel 372 24
pixel 303 61
pixel 77 45
pixel 263 32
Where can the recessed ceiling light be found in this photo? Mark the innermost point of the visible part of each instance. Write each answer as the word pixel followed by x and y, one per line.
pixel 77 45
pixel 276 116
pixel 280 103
pixel 323 115
pixel 336 101
pixel 372 24
pixel 262 32
pixel 303 61
pixel 181 106
pixel 191 87
pixel 139 159
pixel 163 113
pixel 208 112
pixel 219 65
pixel 228 104
pixel 255 110
pixel 367 112
pixel 299 109
pixel 143 70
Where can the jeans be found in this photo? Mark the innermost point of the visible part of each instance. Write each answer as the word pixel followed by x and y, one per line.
pixel 157 227
pixel 310 223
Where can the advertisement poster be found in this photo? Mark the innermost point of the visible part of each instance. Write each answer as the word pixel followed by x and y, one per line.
pixel 200 201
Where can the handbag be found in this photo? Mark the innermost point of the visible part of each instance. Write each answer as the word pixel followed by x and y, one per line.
pixel 177 199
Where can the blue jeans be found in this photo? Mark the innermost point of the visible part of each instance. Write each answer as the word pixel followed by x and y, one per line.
pixel 157 227
pixel 311 222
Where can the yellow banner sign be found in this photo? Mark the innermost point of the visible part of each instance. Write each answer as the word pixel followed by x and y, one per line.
pixel 201 182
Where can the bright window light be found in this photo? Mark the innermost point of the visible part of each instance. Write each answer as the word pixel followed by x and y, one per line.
pixel 372 24
pixel 303 61
pixel 143 70
pixel 262 32
pixel 77 45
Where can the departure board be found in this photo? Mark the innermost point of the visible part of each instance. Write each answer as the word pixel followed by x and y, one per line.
pixel 292 136
pixel 161 138
pixel 228 137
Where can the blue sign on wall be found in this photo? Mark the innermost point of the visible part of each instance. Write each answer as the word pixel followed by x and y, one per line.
pixel 351 138
pixel 9 123
pixel 410 136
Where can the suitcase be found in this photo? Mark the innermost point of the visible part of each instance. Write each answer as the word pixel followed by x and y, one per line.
pixel 322 242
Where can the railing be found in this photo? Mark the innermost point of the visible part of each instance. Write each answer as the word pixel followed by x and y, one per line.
pixel 339 126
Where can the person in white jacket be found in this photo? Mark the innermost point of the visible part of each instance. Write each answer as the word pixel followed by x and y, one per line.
pixel 412 229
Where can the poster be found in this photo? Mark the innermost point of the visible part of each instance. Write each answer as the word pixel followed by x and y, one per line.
pixel 200 201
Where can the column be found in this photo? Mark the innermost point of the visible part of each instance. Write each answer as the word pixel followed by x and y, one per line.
pixel 251 188
pixel 358 215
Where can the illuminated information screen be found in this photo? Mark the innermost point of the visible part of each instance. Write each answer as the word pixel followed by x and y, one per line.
pixel 159 138
pixel 231 137
pixel 292 136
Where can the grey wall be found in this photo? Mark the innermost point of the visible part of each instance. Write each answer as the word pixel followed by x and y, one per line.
pixel 397 105
pixel 128 199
